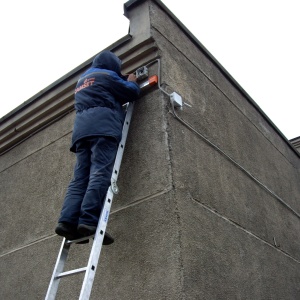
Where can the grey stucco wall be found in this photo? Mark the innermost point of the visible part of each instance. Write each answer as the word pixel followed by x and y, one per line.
pixel 188 223
pixel 33 176
pixel 235 236
pixel 143 261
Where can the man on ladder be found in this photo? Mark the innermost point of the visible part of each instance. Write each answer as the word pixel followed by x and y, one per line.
pixel 99 95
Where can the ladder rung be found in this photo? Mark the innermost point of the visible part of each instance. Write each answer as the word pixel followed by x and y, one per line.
pixel 71 272
pixel 68 242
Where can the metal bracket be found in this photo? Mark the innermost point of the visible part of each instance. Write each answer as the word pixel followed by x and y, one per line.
pixel 141 73
pixel 114 187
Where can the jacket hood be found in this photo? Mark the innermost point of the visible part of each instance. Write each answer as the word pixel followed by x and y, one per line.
pixel 107 60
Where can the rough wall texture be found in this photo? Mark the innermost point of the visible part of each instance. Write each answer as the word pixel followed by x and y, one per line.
pixel 235 236
pixel 188 222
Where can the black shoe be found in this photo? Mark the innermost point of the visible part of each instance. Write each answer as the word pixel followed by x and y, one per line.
pixel 87 230
pixel 108 239
pixel 67 230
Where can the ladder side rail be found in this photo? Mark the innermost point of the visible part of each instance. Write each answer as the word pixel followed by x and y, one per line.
pixel 120 152
pixel 96 250
pixel 101 228
pixel 59 267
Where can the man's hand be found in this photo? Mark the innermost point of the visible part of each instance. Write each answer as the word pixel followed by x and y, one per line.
pixel 131 77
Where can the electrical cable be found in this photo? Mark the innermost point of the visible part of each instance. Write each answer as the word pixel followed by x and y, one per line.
pixel 233 161
pixel 190 127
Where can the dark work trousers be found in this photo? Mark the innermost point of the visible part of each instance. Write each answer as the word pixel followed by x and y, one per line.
pixel 87 190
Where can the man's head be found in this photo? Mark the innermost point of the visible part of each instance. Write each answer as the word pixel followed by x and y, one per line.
pixel 109 61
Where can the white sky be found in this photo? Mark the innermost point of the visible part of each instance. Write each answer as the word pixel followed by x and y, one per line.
pixel 256 41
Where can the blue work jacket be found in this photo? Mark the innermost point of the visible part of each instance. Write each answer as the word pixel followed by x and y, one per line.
pixel 99 95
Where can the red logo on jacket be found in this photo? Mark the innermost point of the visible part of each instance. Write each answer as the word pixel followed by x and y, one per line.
pixel 87 82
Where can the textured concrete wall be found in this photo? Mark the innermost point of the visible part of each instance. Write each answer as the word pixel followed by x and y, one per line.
pixel 141 264
pixel 237 240
pixel 33 177
pixel 188 223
